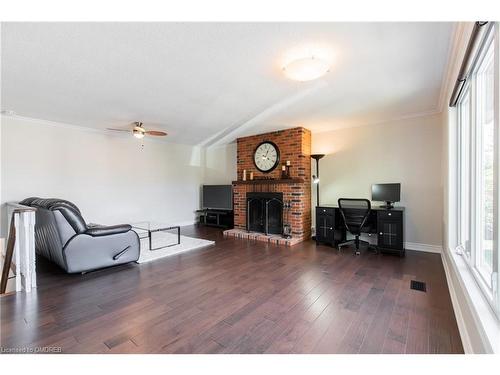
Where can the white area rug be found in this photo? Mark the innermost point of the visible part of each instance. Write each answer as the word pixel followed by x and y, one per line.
pixel 162 239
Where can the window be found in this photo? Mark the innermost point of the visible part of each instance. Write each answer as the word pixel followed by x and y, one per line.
pixel 464 171
pixel 478 166
pixel 485 136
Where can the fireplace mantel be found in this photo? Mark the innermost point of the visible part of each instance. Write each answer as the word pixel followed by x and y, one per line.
pixel 270 181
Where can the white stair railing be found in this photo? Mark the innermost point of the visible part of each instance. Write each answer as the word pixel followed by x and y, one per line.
pixel 23 260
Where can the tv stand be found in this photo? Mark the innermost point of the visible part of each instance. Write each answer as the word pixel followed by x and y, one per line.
pixel 216 218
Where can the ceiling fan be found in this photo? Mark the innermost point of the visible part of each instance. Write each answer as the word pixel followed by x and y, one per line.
pixel 139 131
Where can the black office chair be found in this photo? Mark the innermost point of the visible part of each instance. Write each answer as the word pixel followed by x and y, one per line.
pixel 355 213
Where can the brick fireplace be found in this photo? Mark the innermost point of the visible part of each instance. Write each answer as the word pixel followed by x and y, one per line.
pixel 294 146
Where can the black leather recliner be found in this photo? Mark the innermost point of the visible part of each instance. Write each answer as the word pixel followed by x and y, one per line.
pixel 63 237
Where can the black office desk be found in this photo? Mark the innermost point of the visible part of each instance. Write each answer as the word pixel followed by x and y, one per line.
pixel 386 224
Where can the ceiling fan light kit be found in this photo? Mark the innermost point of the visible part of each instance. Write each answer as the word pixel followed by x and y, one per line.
pixel 138 130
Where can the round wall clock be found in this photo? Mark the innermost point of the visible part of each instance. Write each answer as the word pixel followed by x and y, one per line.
pixel 266 156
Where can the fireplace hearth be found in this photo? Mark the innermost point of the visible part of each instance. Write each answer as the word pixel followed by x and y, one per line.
pixel 265 212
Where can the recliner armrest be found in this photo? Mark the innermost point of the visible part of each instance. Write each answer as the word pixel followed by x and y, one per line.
pixel 101 230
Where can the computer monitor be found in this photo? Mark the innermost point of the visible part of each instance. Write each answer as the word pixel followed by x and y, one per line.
pixel 388 193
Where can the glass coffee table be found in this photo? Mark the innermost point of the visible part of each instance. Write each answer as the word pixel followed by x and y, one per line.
pixel 148 229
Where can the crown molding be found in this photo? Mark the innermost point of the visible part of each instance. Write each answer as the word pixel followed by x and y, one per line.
pixel 452 47
pixel 456 49
pixel 54 123
pixel 220 139
pixel 431 112
pixel 212 141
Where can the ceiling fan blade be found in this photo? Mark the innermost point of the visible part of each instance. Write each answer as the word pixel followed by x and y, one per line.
pixel 118 130
pixel 156 133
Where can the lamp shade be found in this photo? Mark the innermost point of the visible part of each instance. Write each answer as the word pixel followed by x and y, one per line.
pixel 317 156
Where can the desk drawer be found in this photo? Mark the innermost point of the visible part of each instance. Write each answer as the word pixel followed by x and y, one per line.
pixel 384 215
pixel 325 211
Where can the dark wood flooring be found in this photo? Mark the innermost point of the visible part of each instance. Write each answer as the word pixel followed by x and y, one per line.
pixel 240 297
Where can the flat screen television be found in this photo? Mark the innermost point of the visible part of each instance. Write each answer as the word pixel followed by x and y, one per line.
pixel 217 197
pixel 388 193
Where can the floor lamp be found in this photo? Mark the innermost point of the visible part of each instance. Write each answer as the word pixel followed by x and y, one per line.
pixel 317 157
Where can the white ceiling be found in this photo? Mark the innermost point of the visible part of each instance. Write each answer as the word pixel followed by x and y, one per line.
pixel 210 82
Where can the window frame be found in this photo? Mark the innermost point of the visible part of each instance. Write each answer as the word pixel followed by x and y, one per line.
pixel 489 288
pixel 464 176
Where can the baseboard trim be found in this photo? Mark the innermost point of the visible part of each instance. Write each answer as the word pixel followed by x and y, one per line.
pixel 423 247
pixel 462 329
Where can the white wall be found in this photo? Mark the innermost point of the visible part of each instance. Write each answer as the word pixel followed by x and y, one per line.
pixel 220 164
pixel 406 151
pixel 110 177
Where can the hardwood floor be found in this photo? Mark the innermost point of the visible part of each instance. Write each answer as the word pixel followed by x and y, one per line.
pixel 240 297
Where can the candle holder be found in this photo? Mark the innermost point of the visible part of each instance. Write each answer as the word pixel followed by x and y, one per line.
pixel 283 172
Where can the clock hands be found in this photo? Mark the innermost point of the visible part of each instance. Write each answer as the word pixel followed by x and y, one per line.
pixel 265 156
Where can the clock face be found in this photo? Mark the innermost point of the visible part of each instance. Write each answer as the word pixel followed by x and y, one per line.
pixel 266 156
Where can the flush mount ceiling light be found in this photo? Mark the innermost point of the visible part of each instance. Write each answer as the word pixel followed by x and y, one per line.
pixel 306 69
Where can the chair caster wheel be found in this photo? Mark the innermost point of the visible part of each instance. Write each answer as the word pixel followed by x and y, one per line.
pixel 357 253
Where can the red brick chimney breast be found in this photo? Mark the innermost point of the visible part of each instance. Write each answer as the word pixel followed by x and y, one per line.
pixel 294 146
